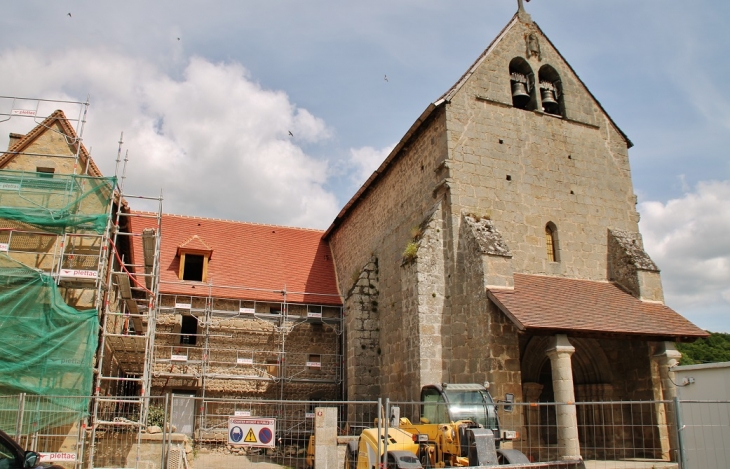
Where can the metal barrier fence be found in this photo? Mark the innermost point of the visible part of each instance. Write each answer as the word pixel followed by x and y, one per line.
pixel 194 433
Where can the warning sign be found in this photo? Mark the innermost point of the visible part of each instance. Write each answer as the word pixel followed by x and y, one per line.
pixel 252 431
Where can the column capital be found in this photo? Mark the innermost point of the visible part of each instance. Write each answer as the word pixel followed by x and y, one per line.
pixel 559 345
pixel 668 354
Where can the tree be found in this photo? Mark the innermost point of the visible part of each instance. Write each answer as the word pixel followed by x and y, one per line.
pixel 715 348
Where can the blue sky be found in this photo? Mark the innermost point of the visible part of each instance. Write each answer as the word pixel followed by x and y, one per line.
pixel 217 104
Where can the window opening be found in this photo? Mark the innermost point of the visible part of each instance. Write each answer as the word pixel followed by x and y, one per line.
pixel 193 269
pixel 45 172
pixel 314 362
pixel 550 243
pixel 551 91
pixel 188 330
pixel 522 84
pixel 272 367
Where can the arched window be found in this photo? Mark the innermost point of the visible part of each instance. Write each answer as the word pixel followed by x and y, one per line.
pixel 551 91
pixel 551 242
pixel 522 84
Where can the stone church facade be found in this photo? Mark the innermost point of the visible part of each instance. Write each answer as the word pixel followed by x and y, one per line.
pixel 499 242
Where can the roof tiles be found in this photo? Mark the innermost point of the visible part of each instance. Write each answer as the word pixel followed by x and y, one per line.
pixel 251 261
pixel 562 304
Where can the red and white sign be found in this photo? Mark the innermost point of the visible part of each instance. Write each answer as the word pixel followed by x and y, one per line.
pixel 23 112
pixel 50 457
pixel 92 274
pixel 252 432
pixel 314 364
pixel 4 247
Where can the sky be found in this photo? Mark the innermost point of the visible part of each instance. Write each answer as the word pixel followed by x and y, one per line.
pixel 276 111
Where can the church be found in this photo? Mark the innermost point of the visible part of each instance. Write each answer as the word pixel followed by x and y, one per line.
pixel 499 242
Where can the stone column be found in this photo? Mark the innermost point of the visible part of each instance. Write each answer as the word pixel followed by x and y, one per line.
pixel 531 393
pixel 667 358
pixel 559 353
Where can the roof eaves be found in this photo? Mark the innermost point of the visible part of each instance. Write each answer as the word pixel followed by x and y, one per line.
pixel 382 169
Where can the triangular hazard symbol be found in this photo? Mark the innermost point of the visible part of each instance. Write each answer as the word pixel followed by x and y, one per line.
pixel 250 437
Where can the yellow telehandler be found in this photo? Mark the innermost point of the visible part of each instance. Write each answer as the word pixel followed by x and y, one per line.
pixel 458 427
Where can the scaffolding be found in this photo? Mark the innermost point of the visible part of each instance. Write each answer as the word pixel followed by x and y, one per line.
pixel 127 323
pixel 241 347
pixel 60 219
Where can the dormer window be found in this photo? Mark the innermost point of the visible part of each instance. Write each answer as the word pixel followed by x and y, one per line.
pixel 522 84
pixel 551 91
pixel 194 256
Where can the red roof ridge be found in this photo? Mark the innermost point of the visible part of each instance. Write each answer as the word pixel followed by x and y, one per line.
pixel 194 217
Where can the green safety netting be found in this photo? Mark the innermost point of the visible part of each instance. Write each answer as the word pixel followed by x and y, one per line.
pixel 47 350
pixel 56 201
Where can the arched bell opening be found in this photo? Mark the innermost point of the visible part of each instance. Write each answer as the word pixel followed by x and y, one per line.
pixel 551 91
pixel 522 84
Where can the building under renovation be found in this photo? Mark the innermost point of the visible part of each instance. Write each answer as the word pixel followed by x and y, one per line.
pixel 497 242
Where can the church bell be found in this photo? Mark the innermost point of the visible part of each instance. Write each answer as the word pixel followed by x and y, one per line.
pixel 520 97
pixel 548 97
pixel 519 91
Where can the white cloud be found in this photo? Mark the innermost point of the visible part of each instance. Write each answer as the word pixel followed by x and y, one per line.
pixel 365 160
pixel 214 140
pixel 689 238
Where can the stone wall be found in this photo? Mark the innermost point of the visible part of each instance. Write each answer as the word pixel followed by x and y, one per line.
pixel 400 200
pixel 526 168
pixel 362 326
pixel 631 267
pixel 258 355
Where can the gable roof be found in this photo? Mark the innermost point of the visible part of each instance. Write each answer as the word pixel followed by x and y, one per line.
pixel 252 261
pixel 556 304
pixel 443 99
pixel 56 118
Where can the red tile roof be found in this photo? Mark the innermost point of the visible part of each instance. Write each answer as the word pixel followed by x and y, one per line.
pixel 568 305
pixel 250 261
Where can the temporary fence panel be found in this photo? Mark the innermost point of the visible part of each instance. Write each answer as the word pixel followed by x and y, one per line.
pixel 705 434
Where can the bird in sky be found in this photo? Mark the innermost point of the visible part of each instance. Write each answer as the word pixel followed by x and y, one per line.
pixel 291 134
pixel 385 77
pixel 178 39
pixel 69 15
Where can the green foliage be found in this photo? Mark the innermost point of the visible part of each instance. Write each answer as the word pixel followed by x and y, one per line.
pixel 156 416
pixel 715 348
pixel 411 252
